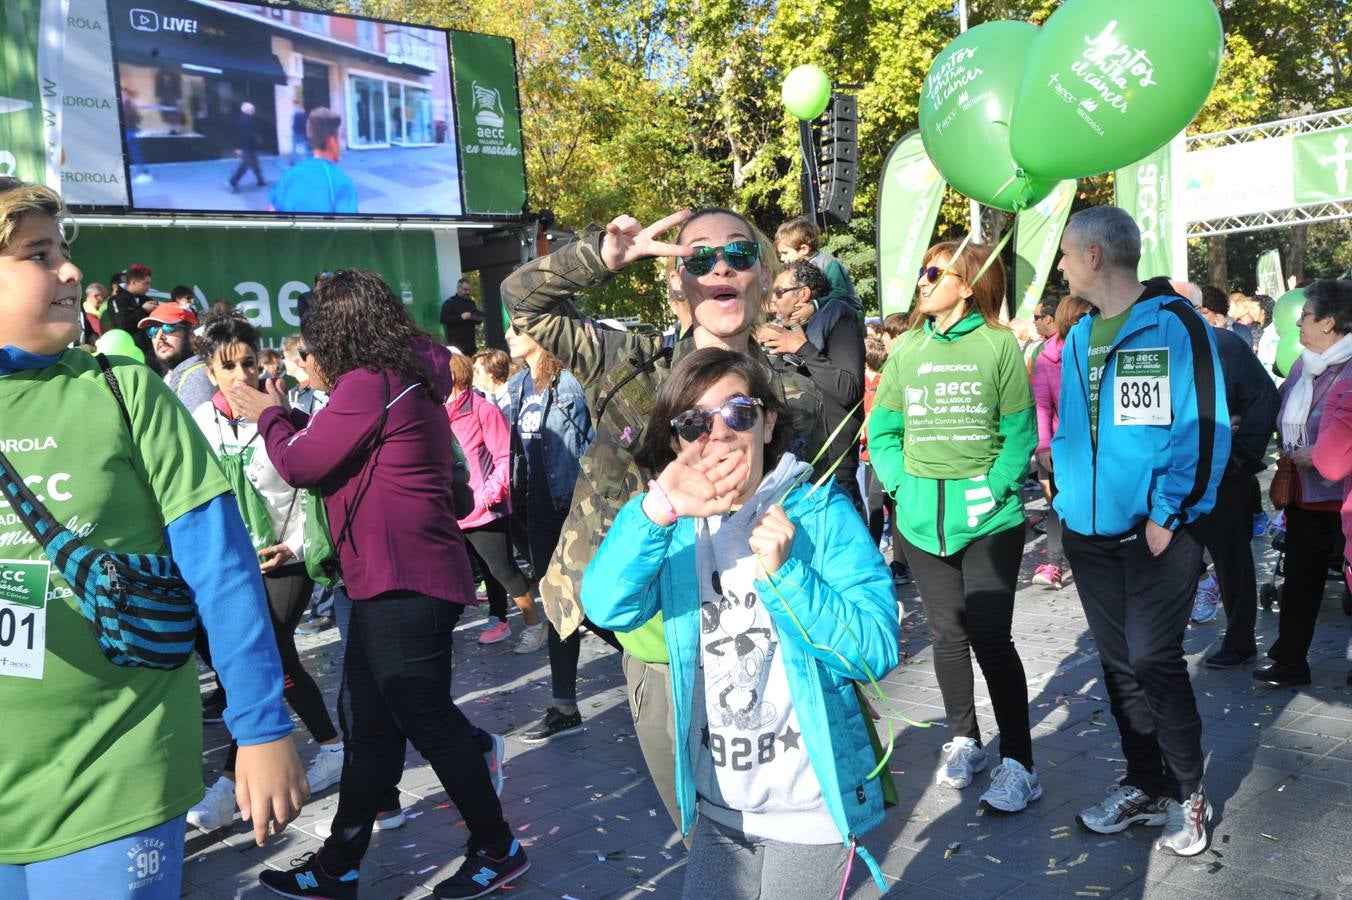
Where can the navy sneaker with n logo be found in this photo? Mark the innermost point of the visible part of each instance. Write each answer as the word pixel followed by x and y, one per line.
pixel 482 873
pixel 308 879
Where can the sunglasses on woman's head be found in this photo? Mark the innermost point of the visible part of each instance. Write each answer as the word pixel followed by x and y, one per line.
pixel 738 413
pixel 741 255
pixel 169 329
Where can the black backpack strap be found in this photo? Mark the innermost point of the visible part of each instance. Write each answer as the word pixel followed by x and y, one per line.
pixel 116 388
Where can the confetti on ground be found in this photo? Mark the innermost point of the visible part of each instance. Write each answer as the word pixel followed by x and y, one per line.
pixel 1270 837
pixel 973 877
pixel 633 870
pixel 1060 828
pixel 1078 860
pixel 1061 835
pixel 1130 870
pixel 1088 894
pixel 525 827
pixel 554 830
pixel 982 837
pixel 951 850
pixel 1096 887
pixel 623 818
pixel 652 813
pixel 414 815
pixel 992 859
pixel 650 888
pixel 442 806
pixel 1056 871
pixel 1225 839
pixel 426 869
pixel 1215 867
pixel 408 846
pixel 665 854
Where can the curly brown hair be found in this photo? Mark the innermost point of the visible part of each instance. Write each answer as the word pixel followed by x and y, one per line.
pixel 356 322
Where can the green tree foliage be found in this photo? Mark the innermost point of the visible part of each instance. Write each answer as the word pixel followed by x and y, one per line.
pixel 644 106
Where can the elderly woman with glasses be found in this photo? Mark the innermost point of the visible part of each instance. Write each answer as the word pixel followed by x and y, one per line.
pixel 1312 522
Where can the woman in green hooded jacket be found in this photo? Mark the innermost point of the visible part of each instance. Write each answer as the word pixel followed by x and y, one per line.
pixel 950 435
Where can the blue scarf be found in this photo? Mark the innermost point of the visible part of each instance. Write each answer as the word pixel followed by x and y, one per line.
pixel 13 359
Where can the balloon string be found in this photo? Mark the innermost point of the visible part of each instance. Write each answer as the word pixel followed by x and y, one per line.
pixel 994 255
pixel 826 445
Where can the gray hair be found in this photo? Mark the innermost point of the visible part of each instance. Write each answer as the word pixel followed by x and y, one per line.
pixel 1113 230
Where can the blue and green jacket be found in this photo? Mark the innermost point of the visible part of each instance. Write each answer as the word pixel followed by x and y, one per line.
pixel 837 586
pixel 1167 473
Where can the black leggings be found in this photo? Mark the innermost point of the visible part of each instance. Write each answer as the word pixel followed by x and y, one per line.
pixel 289 591
pixel 491 546
pixel 969 601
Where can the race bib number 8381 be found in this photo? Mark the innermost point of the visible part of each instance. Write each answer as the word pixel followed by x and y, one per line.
pixel 1141 388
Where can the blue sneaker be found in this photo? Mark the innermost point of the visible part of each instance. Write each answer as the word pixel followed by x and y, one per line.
pixel 1260 524
pixel 307 878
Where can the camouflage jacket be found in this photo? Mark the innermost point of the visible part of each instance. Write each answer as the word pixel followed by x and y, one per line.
pixel 619 372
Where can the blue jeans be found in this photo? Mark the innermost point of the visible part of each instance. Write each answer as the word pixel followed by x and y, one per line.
pixel 147 865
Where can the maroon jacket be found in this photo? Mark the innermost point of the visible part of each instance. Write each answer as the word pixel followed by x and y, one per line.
pixel 403 534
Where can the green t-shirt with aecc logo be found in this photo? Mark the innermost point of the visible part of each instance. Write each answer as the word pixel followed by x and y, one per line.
pixel 953 388
pixel 1102 333
pixel 95 751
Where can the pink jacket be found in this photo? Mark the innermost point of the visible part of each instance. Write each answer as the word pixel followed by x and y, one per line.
pixel 482 431
pixel 1333 448
pixel 1047 389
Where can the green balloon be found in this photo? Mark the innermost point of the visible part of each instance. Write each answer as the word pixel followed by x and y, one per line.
pixel 964 115
pixel 806 92
pixel 1288 351
pixel 119 343
pixel 1106 84
pixel 1286 312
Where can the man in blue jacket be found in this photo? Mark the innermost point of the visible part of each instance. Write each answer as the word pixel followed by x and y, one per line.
pixel 1143 440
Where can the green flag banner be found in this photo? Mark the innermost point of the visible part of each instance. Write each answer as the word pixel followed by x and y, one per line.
pixel 488 116
pixel 263 271
pixel 1037 237
pixel 909 193
pixel 1269 274
pixel 21 120
pixel 1323 166
pixel 1145 191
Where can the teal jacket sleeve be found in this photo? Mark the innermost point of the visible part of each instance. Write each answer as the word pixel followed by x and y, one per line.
pixel 619 585
pixel 886 428
pixel 1010 468
pixel 1199 441
pixel 834 593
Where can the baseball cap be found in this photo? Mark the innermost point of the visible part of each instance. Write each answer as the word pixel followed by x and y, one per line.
pixel 168 314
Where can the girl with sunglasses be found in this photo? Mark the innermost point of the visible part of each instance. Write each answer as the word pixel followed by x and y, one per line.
pixel 101 761
pixel 724 269
pixel 774 602
pixel 950 435
pixel 272 511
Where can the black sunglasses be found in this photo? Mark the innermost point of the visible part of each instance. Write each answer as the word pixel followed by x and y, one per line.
pixel 781 291
pixel 741 255
pixel 738 413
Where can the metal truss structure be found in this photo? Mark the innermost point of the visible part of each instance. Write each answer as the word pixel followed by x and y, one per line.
pixel 1275 218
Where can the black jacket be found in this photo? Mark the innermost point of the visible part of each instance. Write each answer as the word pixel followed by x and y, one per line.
pixel 1253 402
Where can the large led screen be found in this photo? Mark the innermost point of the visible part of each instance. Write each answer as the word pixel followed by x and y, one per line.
pixel 236 107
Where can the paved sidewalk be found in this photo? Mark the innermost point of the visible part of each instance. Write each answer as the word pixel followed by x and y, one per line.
pixel 1279 775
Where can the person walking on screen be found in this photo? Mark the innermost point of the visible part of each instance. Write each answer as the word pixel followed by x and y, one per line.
pixel 317 185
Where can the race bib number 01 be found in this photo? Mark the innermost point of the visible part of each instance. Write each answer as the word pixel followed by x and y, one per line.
pixel 1141 388
pixel 23 616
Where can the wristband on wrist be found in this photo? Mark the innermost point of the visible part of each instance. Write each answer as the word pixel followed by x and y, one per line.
pixel 660 496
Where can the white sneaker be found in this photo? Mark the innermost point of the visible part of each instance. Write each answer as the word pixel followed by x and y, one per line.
pixel 385 821
pixel 965 759
pixel 1208 601
pixel 1185 825
pixel 532 638
pixel 325 770
pixel 217 808
pixel 1012 787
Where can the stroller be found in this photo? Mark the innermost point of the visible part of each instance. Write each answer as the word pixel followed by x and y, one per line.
pixel 1269 592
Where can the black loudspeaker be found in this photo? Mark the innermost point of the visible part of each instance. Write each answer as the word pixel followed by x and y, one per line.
pixel 839 158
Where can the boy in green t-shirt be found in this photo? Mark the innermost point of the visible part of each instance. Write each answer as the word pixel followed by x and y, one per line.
pixel 102 759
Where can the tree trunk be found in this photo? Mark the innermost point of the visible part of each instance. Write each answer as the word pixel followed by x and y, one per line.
pixel 1217 270
pixel 1295 264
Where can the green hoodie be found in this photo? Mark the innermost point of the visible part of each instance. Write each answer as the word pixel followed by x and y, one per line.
pixel 951 433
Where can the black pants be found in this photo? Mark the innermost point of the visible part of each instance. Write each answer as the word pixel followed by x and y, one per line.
pixel 1138 607
pixel 1227 532
pixel 396 685
pixel 563 657
pixel 876 502
pixel 288 592
pixel 491 546
pixel 1312 537
pixel 248 161
pixel 969 601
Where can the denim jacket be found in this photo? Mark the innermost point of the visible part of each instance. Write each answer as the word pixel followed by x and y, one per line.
pixel 567 433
